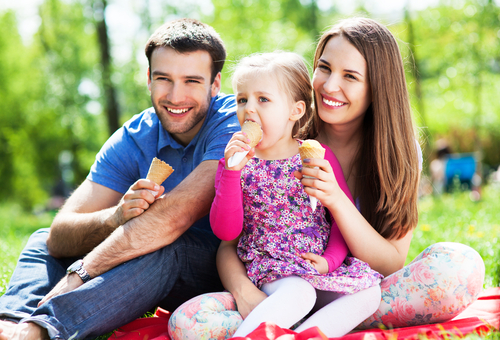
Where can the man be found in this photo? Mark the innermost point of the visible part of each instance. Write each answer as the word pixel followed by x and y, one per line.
pixel 139 249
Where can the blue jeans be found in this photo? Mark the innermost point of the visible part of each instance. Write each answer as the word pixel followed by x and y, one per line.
pixel 166 277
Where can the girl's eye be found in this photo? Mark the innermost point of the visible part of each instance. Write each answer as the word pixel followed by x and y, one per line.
pixel 242 101
pixel 263 99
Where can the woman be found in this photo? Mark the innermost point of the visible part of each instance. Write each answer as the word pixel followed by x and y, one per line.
pixel 363 115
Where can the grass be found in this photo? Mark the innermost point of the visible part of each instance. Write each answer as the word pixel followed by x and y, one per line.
pixel 450 217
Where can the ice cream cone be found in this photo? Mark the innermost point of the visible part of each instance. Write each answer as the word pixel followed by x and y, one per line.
pixel 159 171
pixel 311 149
pixel 254 133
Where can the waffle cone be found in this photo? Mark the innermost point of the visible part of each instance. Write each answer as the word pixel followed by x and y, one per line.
pixel 308 149
pixel 253 131
pixel 159 171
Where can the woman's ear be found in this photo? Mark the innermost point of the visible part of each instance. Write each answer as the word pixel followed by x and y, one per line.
pixel 299 109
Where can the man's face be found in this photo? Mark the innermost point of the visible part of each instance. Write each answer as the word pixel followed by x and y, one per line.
pixel 181 90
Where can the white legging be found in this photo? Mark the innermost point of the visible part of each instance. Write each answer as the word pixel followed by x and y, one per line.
pixel 292 298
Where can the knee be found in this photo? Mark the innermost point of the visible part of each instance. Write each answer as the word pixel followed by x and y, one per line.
pixel 300 291
pixel 37 242
pixel 451 263
pixel 208 316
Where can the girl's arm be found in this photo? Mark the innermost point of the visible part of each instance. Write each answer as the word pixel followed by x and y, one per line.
pixel 226 213
pixel 233 276
pixel 364 242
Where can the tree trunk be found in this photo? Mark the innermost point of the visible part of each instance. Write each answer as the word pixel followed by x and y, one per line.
pixel 112 109
pixel 418 82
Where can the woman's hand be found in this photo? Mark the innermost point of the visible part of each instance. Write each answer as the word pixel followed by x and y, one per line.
pixel 323 185
pixel 239 142
pixel 318 262
pixel 136 200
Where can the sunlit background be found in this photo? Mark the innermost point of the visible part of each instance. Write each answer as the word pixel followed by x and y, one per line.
pixel 63 90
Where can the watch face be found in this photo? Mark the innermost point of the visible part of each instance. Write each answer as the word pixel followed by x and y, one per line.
pixel 75 266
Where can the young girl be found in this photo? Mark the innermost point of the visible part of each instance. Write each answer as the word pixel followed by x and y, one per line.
pixel 288 248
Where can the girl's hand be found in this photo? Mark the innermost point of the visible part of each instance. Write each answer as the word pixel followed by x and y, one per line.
pixel 136 200
pixel 318 262
pixel 239 142
pixel 323 185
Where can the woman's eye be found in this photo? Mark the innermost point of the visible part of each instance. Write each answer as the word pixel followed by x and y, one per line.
pixel 324 68
pixel 350 76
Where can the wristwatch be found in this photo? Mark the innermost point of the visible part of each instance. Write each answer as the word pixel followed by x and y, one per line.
pixel 77 267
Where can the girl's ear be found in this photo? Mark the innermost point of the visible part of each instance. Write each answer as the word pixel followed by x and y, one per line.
pixel 299 109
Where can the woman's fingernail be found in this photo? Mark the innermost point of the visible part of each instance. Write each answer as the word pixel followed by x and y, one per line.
pixel 306 160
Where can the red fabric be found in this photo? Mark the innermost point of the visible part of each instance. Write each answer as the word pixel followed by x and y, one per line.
pixel 481 317
pixel 155 328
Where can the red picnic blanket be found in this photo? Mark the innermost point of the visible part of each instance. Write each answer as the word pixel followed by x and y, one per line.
pixel 481 317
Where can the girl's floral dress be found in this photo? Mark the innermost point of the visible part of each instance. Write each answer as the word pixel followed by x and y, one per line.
pixel 279 225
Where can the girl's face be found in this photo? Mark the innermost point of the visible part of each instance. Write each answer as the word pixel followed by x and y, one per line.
pixel 341 84
pixel 260 99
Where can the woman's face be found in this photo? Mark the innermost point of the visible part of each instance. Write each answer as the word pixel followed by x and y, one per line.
pixel 341 84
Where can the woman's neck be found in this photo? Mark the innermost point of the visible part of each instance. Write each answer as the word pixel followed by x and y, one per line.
pixel 283 149
pixel 345 144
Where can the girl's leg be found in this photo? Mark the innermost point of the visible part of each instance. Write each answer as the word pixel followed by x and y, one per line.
pixel 341 313
pixel 435 287
pixel 290 299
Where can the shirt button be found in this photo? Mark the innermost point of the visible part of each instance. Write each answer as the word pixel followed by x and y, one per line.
pixel 185 159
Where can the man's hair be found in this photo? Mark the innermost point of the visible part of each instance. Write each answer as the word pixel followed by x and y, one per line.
pixel 189 35
pixel 387 162
pixel 289 70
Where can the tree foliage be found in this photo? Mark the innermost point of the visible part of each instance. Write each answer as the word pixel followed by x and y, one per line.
pixel 53 92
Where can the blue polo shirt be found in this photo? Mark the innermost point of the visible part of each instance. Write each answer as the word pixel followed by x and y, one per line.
pixel 127 154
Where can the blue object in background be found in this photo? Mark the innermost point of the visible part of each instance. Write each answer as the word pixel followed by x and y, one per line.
pixel 461 166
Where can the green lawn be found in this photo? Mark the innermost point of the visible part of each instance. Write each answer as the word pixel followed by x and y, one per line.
pixel 451 217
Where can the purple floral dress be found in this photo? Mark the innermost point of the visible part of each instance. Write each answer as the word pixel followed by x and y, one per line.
pixel 279 225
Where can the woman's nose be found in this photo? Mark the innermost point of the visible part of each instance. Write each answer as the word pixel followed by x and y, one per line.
pixel 332 84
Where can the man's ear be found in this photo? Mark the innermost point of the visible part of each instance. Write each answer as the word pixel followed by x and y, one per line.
pixel 149 79
pixel 299 109
pixel 216 85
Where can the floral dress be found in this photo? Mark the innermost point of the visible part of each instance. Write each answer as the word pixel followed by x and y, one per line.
pixel 279 225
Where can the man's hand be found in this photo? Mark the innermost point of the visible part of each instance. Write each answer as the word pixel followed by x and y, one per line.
pixel 318 262
pixel 67 284
pixel 136 200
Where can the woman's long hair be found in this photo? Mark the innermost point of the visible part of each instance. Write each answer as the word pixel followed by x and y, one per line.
pixel 387 162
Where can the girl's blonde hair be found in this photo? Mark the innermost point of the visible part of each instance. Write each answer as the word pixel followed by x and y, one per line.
pixel 387 162
pixel 291 74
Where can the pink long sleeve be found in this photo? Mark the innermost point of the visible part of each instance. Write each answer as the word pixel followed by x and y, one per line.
pixel 336 249
pixel 226 213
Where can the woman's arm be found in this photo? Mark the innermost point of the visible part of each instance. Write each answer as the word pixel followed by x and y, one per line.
pixel 364 242
pixel 234 277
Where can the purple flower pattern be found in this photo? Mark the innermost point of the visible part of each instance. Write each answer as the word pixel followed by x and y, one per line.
pixel 279 225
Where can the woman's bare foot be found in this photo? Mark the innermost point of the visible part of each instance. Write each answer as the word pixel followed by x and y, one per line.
pixel 22 331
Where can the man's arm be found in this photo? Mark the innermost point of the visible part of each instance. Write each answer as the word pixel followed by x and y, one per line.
pixel 92 213
pixel 167 219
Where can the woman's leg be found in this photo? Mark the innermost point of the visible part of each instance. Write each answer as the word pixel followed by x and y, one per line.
pixel 435 287
pixel 290 299
pixel 341 313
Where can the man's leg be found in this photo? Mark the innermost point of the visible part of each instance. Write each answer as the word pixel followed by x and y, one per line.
pixel 129 290
pixel 34 276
